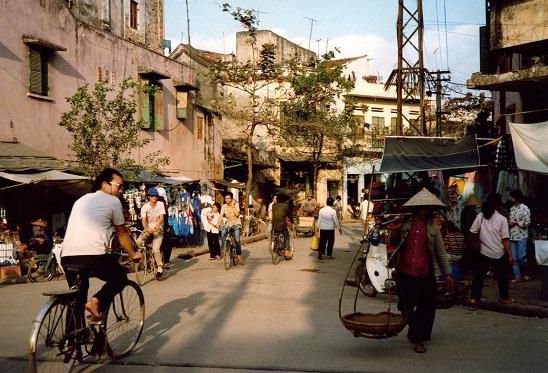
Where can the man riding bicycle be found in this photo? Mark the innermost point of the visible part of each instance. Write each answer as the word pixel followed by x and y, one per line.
pixel 231 212
pixel 281 216
pixel 93 219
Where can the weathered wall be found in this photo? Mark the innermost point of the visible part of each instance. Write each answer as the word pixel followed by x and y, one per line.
pixel 519 23
pixel 285 49
pixel 34 120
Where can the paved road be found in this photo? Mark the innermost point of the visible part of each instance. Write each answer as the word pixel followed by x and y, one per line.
pixel 260 317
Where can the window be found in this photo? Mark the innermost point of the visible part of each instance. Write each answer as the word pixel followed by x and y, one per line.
pixel 40 53
pixel 393 123
pixel 133 14
pixel 377 132
pixel 38 72
pixel 152 109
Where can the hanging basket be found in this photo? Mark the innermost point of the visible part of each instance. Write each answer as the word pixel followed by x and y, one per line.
pixel 378 325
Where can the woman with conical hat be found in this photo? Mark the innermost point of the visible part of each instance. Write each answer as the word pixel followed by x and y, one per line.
pixel 419 258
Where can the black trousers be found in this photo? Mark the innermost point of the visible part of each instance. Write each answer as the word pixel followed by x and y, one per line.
pixel 418 304
pixel 327 241
pixel 501 267
pixel 213 244
pixel 105 268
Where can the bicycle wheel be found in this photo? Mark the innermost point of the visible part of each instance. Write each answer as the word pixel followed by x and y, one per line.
pixel 278 247
pixel 141 271
pixel 48 348
pixel 124 321
pixel 227 257
pixel 152 268
pixel 234 256
pixel 363 281
pixel 38 272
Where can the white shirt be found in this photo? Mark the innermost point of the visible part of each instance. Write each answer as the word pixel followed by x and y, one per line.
pixel 492 231
pixel 327 218
pixel 364 210
pixel 152 214
pixel 91 224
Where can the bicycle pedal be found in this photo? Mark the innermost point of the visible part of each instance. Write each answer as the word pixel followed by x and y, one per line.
pixel 94 321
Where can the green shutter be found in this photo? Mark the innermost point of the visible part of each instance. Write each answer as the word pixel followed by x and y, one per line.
pixel 38 73
pixel 159 111
pixel 144 102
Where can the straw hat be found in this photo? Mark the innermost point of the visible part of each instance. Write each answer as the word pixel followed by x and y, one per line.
pixel 424 198
pixel 472 201
pixel 40 223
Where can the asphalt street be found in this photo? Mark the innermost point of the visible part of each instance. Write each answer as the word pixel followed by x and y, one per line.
pixel 262 317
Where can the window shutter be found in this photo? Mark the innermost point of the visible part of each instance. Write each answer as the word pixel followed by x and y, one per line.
pixel 181 104
pixel 159 111
pixel 144 103
pixel 37 76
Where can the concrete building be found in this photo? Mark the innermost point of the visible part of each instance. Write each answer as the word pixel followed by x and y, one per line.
pixel 514 61
pixel 49 48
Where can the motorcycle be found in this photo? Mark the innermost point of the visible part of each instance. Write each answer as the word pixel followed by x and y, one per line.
pixel 375 274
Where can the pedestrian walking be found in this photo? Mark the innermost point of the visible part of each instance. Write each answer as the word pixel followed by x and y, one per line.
pixel 495 249
pixel 419 259
pixel 327 223
pixel 520 218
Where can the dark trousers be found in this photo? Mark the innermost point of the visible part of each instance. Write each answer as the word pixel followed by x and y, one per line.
pixel 327 238
pixel 501 267
pixel 105 268
pixel 213 244
pixel 418 304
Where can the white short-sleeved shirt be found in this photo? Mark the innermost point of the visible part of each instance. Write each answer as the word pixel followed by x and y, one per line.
pixel 492 231
pixel 91 224
pixel 152 214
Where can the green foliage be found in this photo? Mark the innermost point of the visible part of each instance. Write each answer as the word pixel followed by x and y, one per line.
pixel 466 111
pixel 105 132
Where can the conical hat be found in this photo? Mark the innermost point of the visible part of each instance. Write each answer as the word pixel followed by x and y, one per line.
pixel 472 201
pixel 424 198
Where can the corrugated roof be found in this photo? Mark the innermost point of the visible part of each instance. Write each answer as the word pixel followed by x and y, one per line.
pixel 18 157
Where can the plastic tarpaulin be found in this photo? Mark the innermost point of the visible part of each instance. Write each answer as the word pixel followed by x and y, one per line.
pixel 411 154
pixel 530 146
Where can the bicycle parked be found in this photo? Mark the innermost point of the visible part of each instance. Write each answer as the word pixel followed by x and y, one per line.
pixel 229 255
pixel 42 267
pixel 60 335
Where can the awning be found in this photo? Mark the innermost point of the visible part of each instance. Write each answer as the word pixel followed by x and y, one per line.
pixel 529 140
pixel 146 177
pixel 229 184
pixel 18 157
pixel 53 175
pixel 411 154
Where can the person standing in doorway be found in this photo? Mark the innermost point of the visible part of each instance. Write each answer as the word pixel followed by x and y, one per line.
pixel 152 216
pixel 520 218
pixel 420 257
pixel 327 223
pixel 231 212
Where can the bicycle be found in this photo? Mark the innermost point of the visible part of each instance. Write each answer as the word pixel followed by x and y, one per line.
pixel 278 247
pixel 146 266
pixel 229 255
pixel 43 268
pixel 60 336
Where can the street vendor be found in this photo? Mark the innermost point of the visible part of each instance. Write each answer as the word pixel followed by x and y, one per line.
pixel 39 242
pixel 309 206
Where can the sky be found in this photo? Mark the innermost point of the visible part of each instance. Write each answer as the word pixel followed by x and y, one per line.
pixel 355 27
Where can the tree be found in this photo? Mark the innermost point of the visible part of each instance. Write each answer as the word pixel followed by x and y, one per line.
pixel 251 88
pixel 467 114
pixel 104 129
pixel 313 125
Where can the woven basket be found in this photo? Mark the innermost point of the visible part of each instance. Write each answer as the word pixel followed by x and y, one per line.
pixel 446 299
pixel 379 325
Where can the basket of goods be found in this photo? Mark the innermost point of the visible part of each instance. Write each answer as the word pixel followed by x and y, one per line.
pixel 446 298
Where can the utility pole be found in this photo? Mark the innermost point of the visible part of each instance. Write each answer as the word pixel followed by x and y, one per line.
pixel 312 20
pixel 439 95
pixel 410 77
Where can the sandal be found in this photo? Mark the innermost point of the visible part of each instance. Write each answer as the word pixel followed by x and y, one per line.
pixel 506 300
pixel 473 305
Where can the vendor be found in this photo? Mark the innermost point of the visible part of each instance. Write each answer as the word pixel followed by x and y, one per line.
pixel 40 241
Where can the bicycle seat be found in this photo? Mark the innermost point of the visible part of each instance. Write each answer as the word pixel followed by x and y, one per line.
pixel 60 293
